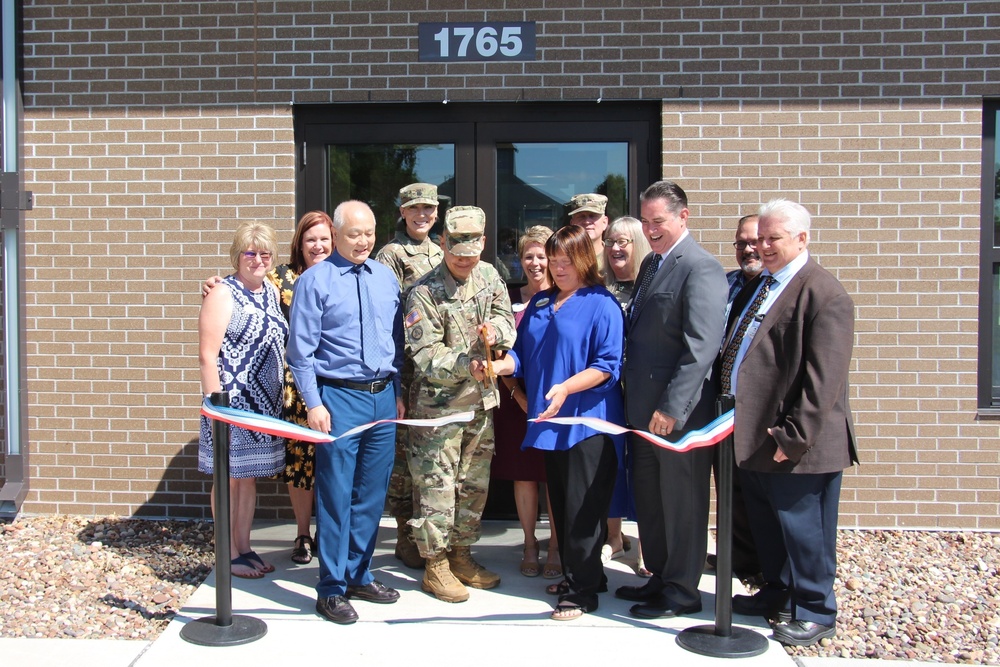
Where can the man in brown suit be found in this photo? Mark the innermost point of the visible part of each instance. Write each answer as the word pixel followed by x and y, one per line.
pixel 786 358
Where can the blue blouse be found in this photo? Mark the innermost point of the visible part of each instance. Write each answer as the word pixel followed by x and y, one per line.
pixel 587 332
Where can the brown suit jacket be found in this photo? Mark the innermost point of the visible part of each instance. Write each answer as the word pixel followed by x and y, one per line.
pixel 793 378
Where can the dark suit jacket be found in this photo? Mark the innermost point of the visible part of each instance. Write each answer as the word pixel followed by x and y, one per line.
pixel 674 339
pixel 793 378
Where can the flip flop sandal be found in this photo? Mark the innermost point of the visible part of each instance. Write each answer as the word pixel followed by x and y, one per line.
pixel 243 561
pixel 260 565
pixel 303 551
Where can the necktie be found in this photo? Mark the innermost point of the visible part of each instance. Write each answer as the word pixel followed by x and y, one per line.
pixel 729 356
pixel 647 278
pixel 369 335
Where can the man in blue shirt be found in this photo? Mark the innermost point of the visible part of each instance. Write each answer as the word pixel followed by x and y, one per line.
pixel 345 349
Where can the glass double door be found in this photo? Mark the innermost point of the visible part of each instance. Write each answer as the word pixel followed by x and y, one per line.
pixel 519 163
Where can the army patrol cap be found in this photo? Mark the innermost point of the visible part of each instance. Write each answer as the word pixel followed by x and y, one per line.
pixel 418 193
pixel 587 202
pixel 464 227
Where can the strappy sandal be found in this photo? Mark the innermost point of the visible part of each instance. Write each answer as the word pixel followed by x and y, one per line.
pixel 303 551
pixel 567 611
pixel 561 588
pixel 529 566
pixel 262 567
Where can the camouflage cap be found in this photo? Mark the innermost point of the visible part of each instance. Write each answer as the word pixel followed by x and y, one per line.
pixel 464 227
pixel 587 202
pixel 418 193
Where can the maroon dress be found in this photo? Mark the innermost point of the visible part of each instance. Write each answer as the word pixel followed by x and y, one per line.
pixel 510 462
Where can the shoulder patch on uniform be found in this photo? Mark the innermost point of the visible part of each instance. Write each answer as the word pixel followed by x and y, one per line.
pixel 411 318
pixel 415 334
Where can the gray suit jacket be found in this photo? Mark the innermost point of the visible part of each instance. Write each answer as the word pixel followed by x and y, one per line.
pixel 673 341
pixel 793 378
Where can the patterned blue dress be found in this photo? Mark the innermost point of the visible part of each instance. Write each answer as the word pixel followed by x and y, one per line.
pixel 251 366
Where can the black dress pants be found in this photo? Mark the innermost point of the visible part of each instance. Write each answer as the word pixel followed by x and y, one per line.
pixel 581 481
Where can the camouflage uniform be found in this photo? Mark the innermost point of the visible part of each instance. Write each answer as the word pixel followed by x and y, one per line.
pixel 409 260
pixel 451 464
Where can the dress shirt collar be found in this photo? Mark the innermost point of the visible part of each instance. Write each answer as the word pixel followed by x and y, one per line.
pixel 683 236
pixel 343 265
pixel 788 271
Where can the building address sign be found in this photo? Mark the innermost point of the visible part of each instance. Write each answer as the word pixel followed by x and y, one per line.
pixel 465 42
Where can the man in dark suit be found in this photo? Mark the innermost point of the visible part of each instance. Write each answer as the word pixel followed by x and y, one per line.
pixel 786 358
pixel 675 325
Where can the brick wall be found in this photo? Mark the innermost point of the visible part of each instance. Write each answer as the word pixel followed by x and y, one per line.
pixel 152 127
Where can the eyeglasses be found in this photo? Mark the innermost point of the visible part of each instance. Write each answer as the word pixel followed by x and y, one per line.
pixel 264 256
pixel 621 242
pixel 743 245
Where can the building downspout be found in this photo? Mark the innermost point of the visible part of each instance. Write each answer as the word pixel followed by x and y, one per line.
pixel 14 200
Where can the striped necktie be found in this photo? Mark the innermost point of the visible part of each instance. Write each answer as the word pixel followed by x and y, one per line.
pixel 729 356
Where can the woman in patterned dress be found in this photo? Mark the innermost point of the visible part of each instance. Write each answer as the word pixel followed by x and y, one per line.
pixel 311 244
pixel 241 343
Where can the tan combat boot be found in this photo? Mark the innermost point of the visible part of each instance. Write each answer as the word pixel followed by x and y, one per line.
pixel 468 571
pixel 406 550
pixel 440 582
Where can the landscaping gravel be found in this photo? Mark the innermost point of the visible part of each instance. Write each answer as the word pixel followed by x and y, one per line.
pixel 922 596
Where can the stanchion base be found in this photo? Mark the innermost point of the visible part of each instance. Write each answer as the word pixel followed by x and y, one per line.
pixel 741 643
pixel 205 632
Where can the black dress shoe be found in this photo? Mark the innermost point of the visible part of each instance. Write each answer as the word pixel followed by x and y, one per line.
pixel 767 602
pixel 662 610
pixel 376 591
pixel 644 593
pixel 802 633
pixel 336 608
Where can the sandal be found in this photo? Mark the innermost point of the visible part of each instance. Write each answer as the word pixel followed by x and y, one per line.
pixel 243 561
pixel 303 551
pixel 567 611
pixel 529 566
pixel 262 567
pixel 561 588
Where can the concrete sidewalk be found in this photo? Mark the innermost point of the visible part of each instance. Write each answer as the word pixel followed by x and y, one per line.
pixel 503 626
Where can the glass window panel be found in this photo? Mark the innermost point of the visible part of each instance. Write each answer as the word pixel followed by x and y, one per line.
pixel 374 173
pixel 995 339
pixel 535 180
pixel 996 189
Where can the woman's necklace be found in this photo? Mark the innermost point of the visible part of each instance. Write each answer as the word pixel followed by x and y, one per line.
pixel 560 300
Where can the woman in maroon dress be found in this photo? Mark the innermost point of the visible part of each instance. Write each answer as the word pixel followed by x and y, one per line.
pixel 525 468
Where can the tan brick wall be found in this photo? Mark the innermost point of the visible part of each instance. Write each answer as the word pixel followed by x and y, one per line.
pixel 153 127
pixel 132 212
pixel 894 191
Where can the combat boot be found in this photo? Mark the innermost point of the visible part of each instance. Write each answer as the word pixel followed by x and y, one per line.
pixel 468 571
pixel 406 550
pixel 440 582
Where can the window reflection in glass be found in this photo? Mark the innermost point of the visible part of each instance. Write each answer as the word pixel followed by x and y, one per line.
pixel 535 180
pixel 374 173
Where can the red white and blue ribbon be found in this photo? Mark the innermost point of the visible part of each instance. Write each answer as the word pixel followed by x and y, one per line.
pixel 716 431
pixel 279 427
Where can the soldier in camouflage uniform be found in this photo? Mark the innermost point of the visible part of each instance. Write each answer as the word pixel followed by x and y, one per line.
pixel 448 312
pixel 410 255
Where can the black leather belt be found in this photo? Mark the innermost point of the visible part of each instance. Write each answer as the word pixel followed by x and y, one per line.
pixel 372 387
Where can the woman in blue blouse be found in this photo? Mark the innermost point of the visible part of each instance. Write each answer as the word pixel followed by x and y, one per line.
pixel 569 352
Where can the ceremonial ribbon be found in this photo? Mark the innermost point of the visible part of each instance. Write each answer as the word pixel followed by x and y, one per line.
pixel 716 431
pixel 279 427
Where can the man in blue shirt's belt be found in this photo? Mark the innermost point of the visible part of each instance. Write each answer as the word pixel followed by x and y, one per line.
pixel 345 349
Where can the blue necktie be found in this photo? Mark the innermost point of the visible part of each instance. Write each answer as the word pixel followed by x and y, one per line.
pixel 369 334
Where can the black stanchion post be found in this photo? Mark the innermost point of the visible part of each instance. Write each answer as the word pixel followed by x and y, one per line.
pixel 223 629
pixel 722 640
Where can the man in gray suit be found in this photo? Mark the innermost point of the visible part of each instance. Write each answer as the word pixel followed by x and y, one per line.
pixel 786 358
pixel 675 325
